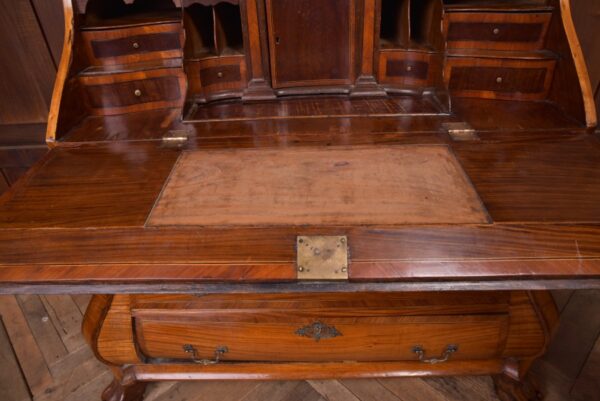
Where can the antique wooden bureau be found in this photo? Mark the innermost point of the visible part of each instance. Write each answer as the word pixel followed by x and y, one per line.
pixel 295 189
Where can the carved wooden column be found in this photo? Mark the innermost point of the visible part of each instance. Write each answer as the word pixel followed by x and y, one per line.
pixel 259 87
pixel 366 83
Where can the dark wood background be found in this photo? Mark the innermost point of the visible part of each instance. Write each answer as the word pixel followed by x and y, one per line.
pixel 31 33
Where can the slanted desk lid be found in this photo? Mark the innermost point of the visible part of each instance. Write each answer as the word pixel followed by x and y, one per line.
pixel 136 216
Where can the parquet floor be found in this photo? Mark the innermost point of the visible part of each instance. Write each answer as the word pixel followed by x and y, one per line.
pixel 43 357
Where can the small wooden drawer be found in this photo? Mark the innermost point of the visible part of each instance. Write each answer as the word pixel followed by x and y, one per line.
pixel 132 45
pixel 110 94
pixel 496 31
pixel 492 78
pixel 218 77
pixel 408 68
pixel 292 331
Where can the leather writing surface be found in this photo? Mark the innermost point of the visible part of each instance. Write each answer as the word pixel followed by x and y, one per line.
pixel 385 185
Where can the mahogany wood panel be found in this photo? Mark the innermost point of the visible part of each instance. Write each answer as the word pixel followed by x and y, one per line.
pixel 323 54
pixel 500 115
pixel 400 119
pixel 498 31
pixel 265 335
pixel 428 253
pixel 369 326
pixel 318 107
pixel 90 186
pixel 301 187
pixel 133 45
pixel 134 91
pixel 312 371
pixel 507 79
pixel 349 304
pixel 552 181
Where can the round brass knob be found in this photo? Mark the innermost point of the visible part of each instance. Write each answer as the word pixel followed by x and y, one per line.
pixel 409 68
pixel 136 45
pixel 220 74
pixel 499 80
pixel 496 31
pixel 137 92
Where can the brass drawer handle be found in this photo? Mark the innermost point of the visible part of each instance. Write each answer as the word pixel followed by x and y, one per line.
pixel 136 45
pixel 220 74
pixel 137 93
pixel 219 351
pixel 317 331
pixel 450 349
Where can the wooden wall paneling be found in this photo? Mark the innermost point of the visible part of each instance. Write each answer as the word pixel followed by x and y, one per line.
pixel 14 161
pixel 22 134
pixel 50 16
pixel 26 65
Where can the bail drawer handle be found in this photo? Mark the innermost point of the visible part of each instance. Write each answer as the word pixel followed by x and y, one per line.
pixel 219 351
pixel 420 351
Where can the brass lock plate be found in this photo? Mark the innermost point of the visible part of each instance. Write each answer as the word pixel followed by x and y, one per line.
pixel 322 257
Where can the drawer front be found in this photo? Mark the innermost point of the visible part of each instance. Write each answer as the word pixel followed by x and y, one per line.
pixel 407 68
pixel 130 92
pixel 288 336
pixel 496 31
pixel 131 45
pixel 217 77
pixel 499 79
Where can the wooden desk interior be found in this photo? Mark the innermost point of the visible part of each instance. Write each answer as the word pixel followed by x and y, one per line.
pixel 440 153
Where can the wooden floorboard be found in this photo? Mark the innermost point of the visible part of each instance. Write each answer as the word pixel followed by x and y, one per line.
pixel 43 358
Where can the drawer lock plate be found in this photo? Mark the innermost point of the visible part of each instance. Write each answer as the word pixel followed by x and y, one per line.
pixel 322 257
pixel 317 331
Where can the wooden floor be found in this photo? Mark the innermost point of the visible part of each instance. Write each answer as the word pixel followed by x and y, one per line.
pixel 44 357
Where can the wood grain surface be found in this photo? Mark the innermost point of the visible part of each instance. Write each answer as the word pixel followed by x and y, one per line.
pixel 85 186
pixel 414 185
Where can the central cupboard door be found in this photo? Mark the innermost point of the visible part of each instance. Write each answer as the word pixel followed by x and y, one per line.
pixel 311 42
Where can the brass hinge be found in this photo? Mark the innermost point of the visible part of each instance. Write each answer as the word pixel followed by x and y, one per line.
pixel 322 257
pixel 175 139
pixel 460 131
